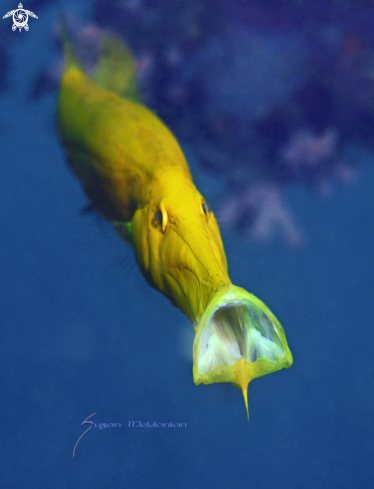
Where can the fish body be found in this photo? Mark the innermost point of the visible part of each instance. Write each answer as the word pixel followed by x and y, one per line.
pixel 135 175
pixel 132 169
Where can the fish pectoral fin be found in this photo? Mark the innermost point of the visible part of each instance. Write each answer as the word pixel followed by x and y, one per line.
pixel 124 229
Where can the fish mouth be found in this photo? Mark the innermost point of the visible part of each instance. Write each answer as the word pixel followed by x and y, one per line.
pixel 238 339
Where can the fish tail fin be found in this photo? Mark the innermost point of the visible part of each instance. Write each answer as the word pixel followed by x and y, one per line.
pixel 116 68
pixel 71 60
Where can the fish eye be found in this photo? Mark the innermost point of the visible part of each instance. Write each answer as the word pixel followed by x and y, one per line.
pixel 161 218
pixel 206 210
pixel 158 217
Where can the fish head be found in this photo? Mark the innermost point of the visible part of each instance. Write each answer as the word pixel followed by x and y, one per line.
pixel 179 248
pixel 238 339
pixel 178 244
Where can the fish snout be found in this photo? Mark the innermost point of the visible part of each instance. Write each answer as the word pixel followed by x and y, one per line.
pixel 238 339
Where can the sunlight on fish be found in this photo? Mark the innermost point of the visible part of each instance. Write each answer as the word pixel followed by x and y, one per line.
pixel 136 176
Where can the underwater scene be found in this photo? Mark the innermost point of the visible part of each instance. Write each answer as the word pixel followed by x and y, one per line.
pixel 187 236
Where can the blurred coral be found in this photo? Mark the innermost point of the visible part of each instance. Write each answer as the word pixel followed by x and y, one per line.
pixel 259 213
pixel 306 150
pixel 264 94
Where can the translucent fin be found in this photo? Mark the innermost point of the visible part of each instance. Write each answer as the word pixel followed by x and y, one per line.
pixel 116 71
pixel 71 60
pixel 124 229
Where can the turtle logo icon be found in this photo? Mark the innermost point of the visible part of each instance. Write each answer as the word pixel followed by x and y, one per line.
pixel 20 17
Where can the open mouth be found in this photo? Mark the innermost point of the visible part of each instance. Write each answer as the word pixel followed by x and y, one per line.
pixel 238 339
pixel 236 331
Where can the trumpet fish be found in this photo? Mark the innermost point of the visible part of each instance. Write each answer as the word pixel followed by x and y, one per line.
pixel 136 176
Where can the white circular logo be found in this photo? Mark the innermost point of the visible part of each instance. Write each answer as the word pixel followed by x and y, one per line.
pixel 20 17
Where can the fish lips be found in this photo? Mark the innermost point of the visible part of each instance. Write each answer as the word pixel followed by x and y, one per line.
pixel 238 339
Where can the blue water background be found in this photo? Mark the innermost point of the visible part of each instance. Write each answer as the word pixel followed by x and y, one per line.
pixel 80 334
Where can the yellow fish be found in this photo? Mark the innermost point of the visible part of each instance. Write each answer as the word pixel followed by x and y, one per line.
pixel 135 175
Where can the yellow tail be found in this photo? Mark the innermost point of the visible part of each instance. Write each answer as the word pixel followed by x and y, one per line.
pixel 115 70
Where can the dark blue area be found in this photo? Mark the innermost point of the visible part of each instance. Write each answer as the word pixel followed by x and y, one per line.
pixel 81 332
